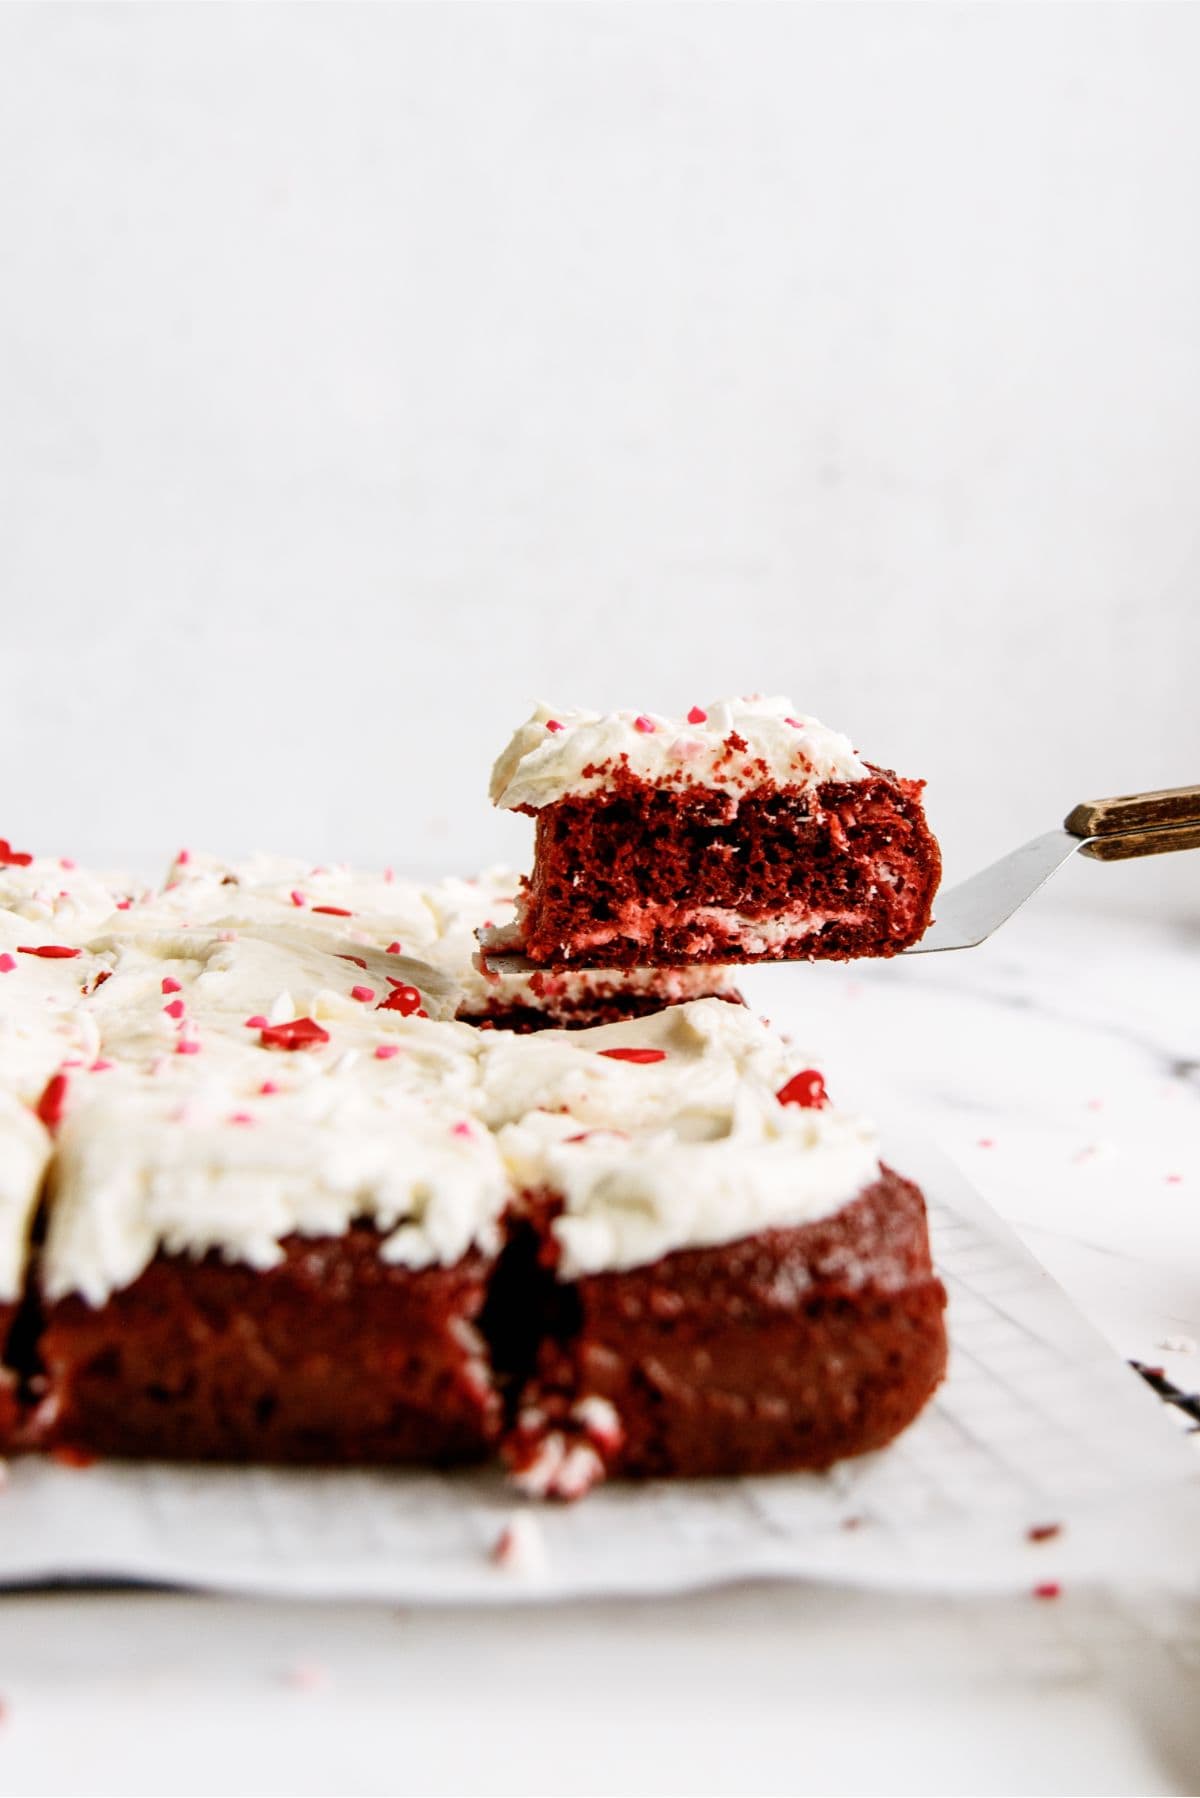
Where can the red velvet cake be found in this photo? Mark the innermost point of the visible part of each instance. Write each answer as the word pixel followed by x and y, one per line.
pixel 793 1348
pixel 333 1356
pixel 266 1197
pixel 741 833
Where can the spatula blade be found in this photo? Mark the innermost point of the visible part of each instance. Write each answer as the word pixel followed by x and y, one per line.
pixel 969 913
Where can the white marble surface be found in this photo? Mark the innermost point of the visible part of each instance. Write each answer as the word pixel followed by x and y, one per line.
pixel 1059 1066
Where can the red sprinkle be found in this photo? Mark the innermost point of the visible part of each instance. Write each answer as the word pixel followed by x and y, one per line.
pixel 642 1056
pixel 7 963
pixel 297 897
pixel 392 949
pixel 1049 1588
pixel 385 1051
pixel 334 911
pixel 299 1033
pixel 184 857
pixel 796 723
pixel 257 1022
pixel 187 1045
pixel 1043 1532
pixel 52 1105
pixel 102 1066
pixel 364 994
pixel 697 715
pixel 462 1129
pixel 12 858
pixel 806 1089
pixel 49 951
pixel 124 904
pixel 66 1456
pixel 175 1009
pixel 404 999
pixel 646 725
pixel 552 724
pixel 356 959
pixel 171 985
pixel 267 1087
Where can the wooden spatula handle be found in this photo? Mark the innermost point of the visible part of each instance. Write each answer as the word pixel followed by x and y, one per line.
pixel 1143 842
pixel 1132 812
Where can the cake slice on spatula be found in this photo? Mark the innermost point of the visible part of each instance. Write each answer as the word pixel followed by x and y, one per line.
pixel 745 831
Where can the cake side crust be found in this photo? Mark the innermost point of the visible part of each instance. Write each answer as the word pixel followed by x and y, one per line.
pixel 791 1349
pixel 333 1357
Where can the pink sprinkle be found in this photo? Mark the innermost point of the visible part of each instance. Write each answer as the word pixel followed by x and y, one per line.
pixel 1095 1104
pixel 7 963
pixel 697 715
pixel 552 724
pixel 73 1061
pixel 389 874
pixel 187 1046
pixel 170 984
pixel 463 1129
pixel 385 1051
pixel 101 1066
pixel 1174 1179
pixel 124 904
pixel 364 994
pixel 175 1009
pixel 646 725
pixel 987 1142
pixel 297 897
pixel 306 1676
pixel 227 936
pixel 240 1117
pixel 796 723
pixel 394 949
pixel 268 1087
pixel 65 862
pixel 184 857
pixel 257 1022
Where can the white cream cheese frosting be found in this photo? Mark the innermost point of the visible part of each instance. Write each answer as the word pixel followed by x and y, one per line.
pixel 24 1153
pixel 135 1176
pixel 188 1121
pixel 631 1197
pixel 733 745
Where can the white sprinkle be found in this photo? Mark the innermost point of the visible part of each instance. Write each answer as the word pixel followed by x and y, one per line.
pixel 520 1547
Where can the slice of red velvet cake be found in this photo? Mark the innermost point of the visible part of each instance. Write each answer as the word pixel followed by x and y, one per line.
pixel 744 832
pixel 723 1278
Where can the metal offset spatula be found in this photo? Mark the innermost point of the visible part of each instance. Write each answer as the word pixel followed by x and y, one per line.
pixel 1109 830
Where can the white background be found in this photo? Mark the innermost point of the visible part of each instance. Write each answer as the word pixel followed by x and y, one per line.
pixel 367 373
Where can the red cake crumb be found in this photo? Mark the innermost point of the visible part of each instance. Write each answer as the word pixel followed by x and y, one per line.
pixel 634 874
